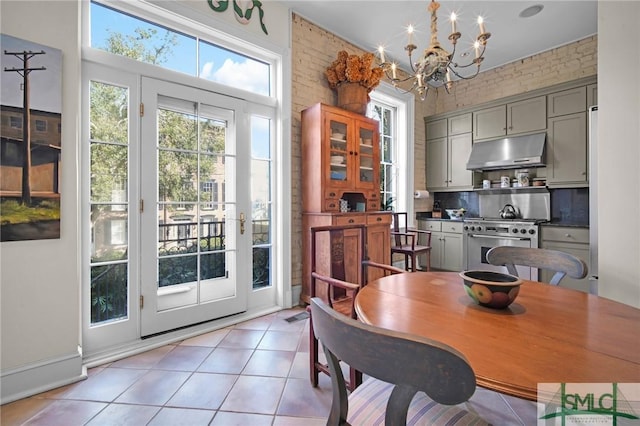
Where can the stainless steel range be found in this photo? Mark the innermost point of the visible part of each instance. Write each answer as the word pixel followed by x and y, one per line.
pixel 483 233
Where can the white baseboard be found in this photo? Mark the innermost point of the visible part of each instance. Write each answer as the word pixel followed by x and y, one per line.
pixel 40 377
pixel 296 290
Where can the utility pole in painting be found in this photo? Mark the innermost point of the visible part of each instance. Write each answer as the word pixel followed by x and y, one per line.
pixel 24 56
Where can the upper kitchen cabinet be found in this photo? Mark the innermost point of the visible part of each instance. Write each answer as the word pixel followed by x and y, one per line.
pixel 513 118
pixel 567 102
pixel 341 156
pixel 567 150
pixel 592 95
pixel 449 143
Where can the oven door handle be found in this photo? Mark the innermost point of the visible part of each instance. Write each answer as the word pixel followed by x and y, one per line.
pixel 494 237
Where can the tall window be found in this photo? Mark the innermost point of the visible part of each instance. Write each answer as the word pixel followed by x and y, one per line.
pixel 386 115
pixel 395 112
pixel 109 147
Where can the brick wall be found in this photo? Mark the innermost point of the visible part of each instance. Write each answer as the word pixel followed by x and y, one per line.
pixel 313 50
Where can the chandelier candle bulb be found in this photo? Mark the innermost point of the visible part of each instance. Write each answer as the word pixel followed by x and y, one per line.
pixel 410 34
pixel 393 71
pixel 476 45
pixel 453 22
pixel 481 25
pixel 381 51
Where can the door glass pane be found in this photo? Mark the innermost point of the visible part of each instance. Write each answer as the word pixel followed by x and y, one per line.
pixel 261 200
pixel 109 152
pixel 192 175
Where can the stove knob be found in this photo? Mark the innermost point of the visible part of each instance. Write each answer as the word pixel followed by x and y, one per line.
pixel 532 231
pixel 523 231
pixel 466 227
pixel 515 230
pixel 479 228
pixel 473 228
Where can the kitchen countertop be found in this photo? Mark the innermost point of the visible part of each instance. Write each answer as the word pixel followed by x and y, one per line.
pixel 565 224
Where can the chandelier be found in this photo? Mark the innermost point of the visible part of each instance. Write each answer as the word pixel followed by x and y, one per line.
pixel 436 67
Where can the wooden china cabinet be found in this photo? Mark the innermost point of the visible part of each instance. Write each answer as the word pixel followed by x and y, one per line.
pixel 341 161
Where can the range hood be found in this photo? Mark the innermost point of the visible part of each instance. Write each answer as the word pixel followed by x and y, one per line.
pixel 508 153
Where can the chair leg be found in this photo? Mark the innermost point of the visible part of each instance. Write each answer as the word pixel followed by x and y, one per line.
pixel 428 261
pixel 355 379
pixel 313 356
pixel 413 262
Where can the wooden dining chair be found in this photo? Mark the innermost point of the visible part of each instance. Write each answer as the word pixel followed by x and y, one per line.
pixel 405 242
pixel 412 379
pixel 334 250
pixel 553 260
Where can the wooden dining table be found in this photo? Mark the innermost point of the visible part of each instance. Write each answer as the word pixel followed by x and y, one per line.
pixel 549 334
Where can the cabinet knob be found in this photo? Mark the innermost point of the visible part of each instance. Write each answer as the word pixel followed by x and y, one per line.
pixel 332 205
pixel 567 235
pixel 378 219
pixel 332 194
pixel 351 220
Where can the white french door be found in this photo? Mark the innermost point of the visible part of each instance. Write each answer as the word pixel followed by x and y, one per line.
pixel 196 233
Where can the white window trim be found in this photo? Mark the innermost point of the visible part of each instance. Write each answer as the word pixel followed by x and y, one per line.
pixel 405 105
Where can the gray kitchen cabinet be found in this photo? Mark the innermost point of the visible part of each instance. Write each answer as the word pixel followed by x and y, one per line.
pixel 446 246
pixel 437 172
pixel 567 102
pixel 490 122
pixel 437 129
pixel 447 156
pixel 527 116
pixel 460 124
pixel 592 95
pixel 570 240
pixel 513 118
pixel 567 150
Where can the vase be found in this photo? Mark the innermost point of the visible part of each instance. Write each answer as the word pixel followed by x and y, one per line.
pixel 353 97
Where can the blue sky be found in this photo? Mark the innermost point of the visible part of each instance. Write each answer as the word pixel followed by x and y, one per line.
pixel 45 86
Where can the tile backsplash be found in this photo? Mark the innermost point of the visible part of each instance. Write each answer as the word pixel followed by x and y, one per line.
pixel 570 206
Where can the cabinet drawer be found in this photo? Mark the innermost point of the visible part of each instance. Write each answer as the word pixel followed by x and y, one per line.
pixel 455 227
pixel 332 194
pixel 379 219
pixel 373 205
pixel 351 219
pixel 331 205
pixel 431 225
pixel 565 234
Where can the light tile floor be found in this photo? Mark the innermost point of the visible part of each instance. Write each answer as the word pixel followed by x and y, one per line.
pixel 254 373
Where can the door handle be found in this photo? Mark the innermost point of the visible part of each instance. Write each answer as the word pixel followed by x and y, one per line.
pixel 242 221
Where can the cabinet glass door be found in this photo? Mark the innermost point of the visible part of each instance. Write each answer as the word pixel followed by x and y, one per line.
pixel 366 141
pixel 339 152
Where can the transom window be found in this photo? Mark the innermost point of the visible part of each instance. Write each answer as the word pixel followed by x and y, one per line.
pixel 117 32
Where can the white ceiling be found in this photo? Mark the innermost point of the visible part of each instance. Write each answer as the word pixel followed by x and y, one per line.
pixel 369 24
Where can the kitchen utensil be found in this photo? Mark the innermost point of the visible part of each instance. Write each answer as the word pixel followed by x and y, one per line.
pixel 523 177
pixel 508 212
pixel 455 214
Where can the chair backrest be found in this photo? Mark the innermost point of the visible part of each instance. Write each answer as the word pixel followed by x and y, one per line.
pixel 554 260
pixel 399 224
pixel 411 363
pixel 339 246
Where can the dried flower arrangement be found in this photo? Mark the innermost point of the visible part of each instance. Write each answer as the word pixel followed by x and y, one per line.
pixel 354 69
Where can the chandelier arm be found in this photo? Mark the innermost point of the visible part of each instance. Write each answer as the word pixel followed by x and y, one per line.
pixel 463 77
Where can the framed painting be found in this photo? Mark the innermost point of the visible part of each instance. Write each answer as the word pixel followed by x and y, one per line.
pixel 30 154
